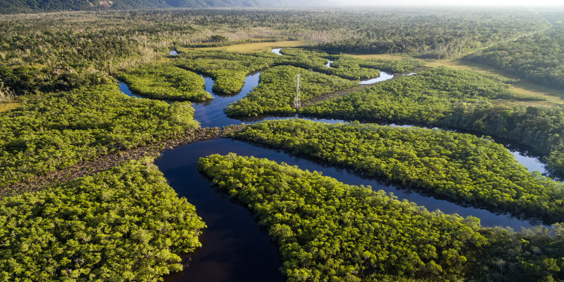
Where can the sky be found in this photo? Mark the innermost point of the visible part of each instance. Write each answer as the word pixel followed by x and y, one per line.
pixel 453 2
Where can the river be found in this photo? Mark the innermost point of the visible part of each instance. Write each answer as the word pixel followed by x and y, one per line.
pixel 234 246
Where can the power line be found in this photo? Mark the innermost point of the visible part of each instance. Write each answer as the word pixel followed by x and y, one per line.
pixel 298 101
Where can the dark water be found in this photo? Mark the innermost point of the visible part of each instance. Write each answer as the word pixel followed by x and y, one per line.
pixel 211 115
pixel 234 248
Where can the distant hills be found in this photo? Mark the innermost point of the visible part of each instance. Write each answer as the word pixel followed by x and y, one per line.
pixel 35 6
pixel 297 3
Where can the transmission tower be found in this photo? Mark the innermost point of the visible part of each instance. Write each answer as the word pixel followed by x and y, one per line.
pixel 298 101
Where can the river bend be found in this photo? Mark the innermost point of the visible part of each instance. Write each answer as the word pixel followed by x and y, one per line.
pixel 235 248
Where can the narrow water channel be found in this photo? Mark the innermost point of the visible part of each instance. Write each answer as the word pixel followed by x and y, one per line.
pixel 277 51
pixel 234 246
pixel 125 89
pixel 210 114
pixel 383 75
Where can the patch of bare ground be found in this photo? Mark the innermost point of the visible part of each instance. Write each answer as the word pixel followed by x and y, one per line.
pixel 336 94
pixel 4 107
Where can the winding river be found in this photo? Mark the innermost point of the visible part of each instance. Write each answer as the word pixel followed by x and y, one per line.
pixel 235 248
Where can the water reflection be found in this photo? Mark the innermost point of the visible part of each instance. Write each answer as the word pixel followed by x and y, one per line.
pixel 234 247
pixel 383 77
pixel 277 51
pixel 125 89
pixel 531 162
pixel 211 114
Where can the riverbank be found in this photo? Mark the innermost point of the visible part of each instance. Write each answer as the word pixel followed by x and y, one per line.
pixel 106 162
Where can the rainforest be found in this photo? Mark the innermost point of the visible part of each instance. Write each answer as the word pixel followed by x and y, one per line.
pixel 144 143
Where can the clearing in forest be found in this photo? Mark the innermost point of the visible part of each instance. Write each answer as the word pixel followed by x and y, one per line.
pixel 521 86
pixel 4 107
pixel 252 47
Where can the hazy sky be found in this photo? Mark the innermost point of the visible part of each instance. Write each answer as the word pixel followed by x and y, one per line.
pixel 454 2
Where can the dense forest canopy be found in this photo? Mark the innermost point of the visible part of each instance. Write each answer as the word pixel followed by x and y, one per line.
pixel 60 130
pixel 80 199
pixel 165 81
pixel 229 69
pixel 60 51
pixel 538 58
pixel 426 97
pixel 276 94
pixel 123 224
pixel 456 99
pixel 456 35
pixel 226 68
pixel 455 166
pixel 328 230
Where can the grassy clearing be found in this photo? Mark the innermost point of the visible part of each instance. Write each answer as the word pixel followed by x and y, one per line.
pixel 251 47
pixel 4 107
pixel 522 87
pixel 391 57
